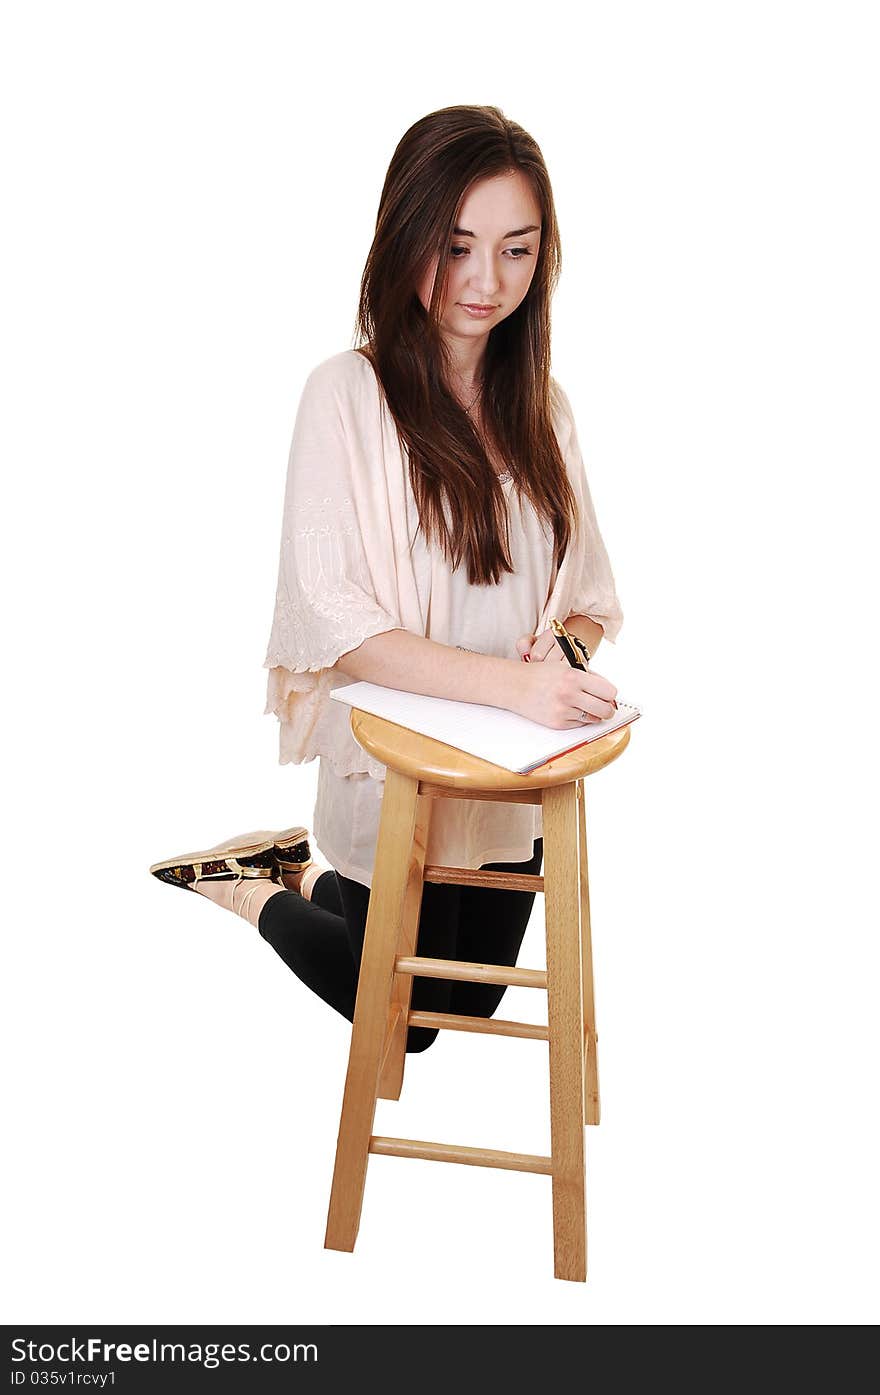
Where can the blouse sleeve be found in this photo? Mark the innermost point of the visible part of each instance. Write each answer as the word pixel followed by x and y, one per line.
pixel 594 591
pixel 325 604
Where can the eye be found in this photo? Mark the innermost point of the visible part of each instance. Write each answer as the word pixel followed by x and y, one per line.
pixel 517 253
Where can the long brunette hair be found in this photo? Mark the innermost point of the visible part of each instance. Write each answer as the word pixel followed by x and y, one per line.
pixel 433 167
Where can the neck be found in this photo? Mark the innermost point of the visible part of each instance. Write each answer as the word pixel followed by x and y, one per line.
pixel 466 361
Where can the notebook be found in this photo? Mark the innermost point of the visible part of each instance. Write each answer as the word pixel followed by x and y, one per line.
pixel 493 733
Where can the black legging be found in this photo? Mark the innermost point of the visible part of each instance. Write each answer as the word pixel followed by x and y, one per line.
pixel 322 939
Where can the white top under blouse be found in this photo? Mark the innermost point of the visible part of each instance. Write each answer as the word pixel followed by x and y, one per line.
pixel 355 563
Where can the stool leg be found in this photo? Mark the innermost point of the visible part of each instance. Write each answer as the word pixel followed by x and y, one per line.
pixel 565 1021
pixel 388 896
pixel 592 1105
pixel 391 1074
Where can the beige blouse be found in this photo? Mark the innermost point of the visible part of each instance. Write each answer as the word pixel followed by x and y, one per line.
pixel 354 563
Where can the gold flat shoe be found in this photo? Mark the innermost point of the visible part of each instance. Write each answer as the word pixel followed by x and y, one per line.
pixel 245 856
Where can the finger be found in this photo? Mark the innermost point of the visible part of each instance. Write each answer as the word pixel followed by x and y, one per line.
pixel 600 687
pixel 596 708
pixel 542 649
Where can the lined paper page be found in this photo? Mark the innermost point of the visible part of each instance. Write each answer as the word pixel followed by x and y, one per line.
pixel 493 733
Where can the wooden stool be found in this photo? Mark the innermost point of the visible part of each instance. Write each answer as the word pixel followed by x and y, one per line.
pixel 420 770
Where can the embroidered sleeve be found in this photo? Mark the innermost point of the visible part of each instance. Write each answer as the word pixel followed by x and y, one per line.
pixel 594 592
pixel 325 604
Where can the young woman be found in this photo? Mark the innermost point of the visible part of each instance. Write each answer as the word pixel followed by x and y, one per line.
pixel 436 515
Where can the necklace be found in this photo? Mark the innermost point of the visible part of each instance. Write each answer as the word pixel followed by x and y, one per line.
pixel 469 409
pixel 502 474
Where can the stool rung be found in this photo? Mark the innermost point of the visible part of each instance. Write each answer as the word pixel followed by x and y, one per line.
pixel 523 796
pixel 471 973
pixel 494 1026
pixel 466 876
pixel 457 1153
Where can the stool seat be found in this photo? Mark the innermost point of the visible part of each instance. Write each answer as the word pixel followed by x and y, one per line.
pixel 423 758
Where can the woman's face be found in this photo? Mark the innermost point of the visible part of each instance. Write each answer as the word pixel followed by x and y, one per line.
pixel 491 258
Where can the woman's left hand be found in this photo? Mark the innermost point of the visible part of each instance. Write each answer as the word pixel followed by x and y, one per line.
pixel 536 650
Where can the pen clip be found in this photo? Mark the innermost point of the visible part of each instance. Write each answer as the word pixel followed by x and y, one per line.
pixel 575 650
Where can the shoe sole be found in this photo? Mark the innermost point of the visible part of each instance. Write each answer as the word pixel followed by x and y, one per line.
pixel 287 842
pixel 215 854
pixel 289 837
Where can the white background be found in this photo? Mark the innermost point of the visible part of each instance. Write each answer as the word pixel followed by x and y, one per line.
pixel 191 193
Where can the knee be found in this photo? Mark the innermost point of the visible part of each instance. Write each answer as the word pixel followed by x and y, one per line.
pixel 420 1038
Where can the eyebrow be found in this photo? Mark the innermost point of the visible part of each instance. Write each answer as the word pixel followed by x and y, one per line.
pixel 517 232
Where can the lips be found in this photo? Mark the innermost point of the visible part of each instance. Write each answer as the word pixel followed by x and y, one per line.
pixel 477 307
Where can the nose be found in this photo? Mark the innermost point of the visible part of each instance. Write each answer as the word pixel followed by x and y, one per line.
pixel 484 278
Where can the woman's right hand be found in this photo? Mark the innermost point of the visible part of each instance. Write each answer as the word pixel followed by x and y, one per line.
pixel 557 695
